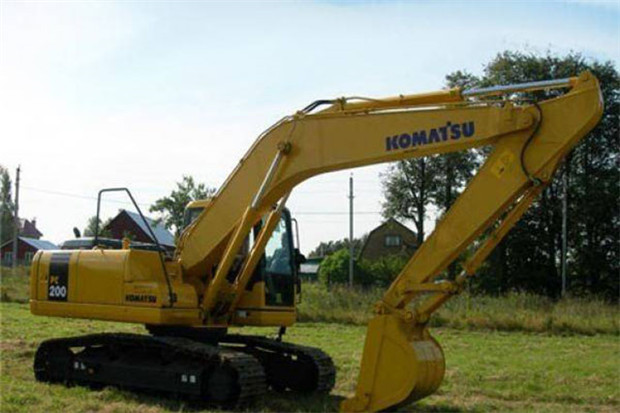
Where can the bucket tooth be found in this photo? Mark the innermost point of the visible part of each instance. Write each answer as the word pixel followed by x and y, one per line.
pixel 401 363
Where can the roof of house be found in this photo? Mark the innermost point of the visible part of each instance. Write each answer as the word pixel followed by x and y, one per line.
pixel 163 236
pixel 39 244
pixel 29 229
pixel 388 221
pixel 309 268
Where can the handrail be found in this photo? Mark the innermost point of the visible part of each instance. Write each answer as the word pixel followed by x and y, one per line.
pixel 520 87
pixel 148 226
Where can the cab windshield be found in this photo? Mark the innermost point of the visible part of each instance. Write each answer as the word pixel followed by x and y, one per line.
pixel 190 215
pixel 278 251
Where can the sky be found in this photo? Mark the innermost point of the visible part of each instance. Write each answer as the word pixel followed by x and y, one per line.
pixel 140 93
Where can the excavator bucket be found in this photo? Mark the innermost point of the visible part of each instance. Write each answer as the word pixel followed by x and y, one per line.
pixel 401 363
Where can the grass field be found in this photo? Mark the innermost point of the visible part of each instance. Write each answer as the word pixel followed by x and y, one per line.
pixel 513 312
pixel 486 370
pixel 514 353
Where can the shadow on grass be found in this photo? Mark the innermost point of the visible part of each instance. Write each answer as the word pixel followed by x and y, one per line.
pixel 291 402
pixel 270 402
pixel 438 408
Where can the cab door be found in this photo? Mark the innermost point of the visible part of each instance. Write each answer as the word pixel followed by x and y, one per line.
pixel 278 265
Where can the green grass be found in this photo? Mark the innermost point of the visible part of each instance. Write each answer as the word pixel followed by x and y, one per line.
pixel 14 284
pixel 518 352
pixel 512 312
pixel 486 370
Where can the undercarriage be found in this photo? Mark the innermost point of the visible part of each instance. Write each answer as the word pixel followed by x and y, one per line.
pixel 226 370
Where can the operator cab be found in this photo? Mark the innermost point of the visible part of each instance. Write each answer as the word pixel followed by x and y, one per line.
pixel 278 267
pixel 193 210
pixel 276 275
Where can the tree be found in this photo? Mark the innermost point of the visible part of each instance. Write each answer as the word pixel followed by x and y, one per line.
pixel 173 206
pixel 335 270
pixel 90 229
pixel 528 258
pixel 408 186
pixel 454 170
pixel 328 248
pixel 7 207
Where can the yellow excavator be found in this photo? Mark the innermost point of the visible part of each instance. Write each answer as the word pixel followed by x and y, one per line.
pixel 236 264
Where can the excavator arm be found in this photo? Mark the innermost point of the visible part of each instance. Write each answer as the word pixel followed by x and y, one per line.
pixel 188 302
pixel 401 361
pixel 514 174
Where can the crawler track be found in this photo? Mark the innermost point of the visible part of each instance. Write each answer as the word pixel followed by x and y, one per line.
pixel 230 371
pixel 173 365
pixel 288 366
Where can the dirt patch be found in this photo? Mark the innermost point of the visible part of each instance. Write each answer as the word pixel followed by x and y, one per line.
pixel 14 345
pixel 122 407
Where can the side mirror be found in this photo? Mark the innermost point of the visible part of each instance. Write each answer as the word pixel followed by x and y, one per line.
pixel 299 258
pixel 76 232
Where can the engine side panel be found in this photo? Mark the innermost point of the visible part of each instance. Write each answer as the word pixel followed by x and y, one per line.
pixel 130 286
pixel 118 285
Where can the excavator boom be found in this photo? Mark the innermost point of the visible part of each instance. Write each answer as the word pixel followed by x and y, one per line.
pixel 210 285
pixel 401 361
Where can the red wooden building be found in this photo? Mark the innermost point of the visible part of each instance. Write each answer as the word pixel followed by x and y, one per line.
pixel 28 228
pixel 131 224
pixel 26 248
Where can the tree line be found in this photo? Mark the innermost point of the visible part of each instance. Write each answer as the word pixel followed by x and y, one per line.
pixel 529 257
pixel 170 209
pixel 7 206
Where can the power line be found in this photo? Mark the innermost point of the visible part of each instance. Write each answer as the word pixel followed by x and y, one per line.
pixel 88 197
pixel 336 213
pixel 47 191
pixel 327 191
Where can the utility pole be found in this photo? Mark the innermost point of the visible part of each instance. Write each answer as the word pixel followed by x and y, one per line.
pixel 351 231
pixel 16 218
pixel 564 226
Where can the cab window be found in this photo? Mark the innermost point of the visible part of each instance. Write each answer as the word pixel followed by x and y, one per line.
pixel 278 267
pixel 278 252
pixel 190 215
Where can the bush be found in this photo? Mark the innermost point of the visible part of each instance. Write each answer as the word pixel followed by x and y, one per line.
pixel 335 270
pixel 384 270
